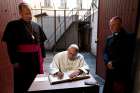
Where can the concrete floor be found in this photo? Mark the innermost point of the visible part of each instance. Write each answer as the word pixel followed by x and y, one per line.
pixel 89 58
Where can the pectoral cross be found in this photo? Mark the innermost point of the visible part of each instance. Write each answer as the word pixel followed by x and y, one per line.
pixel 33 36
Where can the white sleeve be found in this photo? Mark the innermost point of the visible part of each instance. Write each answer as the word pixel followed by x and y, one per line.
pixel 84 67
pixel 54 66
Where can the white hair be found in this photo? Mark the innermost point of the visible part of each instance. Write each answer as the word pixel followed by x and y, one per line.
pixel 74 46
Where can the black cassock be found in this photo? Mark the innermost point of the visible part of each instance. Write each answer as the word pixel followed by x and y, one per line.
pixel 17 33
pixel 119 49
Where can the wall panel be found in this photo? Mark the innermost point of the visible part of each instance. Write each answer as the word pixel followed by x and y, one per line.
pixel 8 11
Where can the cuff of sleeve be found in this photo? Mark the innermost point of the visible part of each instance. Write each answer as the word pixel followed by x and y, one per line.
pixel 85 70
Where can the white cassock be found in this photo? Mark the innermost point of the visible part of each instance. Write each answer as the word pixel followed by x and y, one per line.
pixel 62 63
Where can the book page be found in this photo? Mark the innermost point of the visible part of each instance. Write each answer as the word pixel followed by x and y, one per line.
pixel 53 79
pixel 41 79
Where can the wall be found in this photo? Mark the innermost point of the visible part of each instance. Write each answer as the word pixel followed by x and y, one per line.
pixel 137 62
pixel 49 27
pixel 94 25
pixel 69 37
pixel 8 11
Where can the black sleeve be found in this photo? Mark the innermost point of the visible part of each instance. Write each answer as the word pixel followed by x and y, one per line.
pixel 42 35
pixel 43 50
pixel 106 55
pixel 12 52
pixel 42 39
pixel 8 37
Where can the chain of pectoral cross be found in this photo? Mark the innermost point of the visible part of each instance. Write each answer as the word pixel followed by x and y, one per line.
pixel 29 28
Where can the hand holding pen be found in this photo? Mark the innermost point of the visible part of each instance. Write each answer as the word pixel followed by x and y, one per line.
pixel 59 74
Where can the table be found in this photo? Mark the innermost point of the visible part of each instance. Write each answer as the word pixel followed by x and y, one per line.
pixel 41 84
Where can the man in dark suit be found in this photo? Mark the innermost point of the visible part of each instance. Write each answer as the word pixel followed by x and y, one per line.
pixel 25 44
pixel 118 57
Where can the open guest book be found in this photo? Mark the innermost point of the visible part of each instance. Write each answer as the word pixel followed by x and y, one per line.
pixel 55 80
